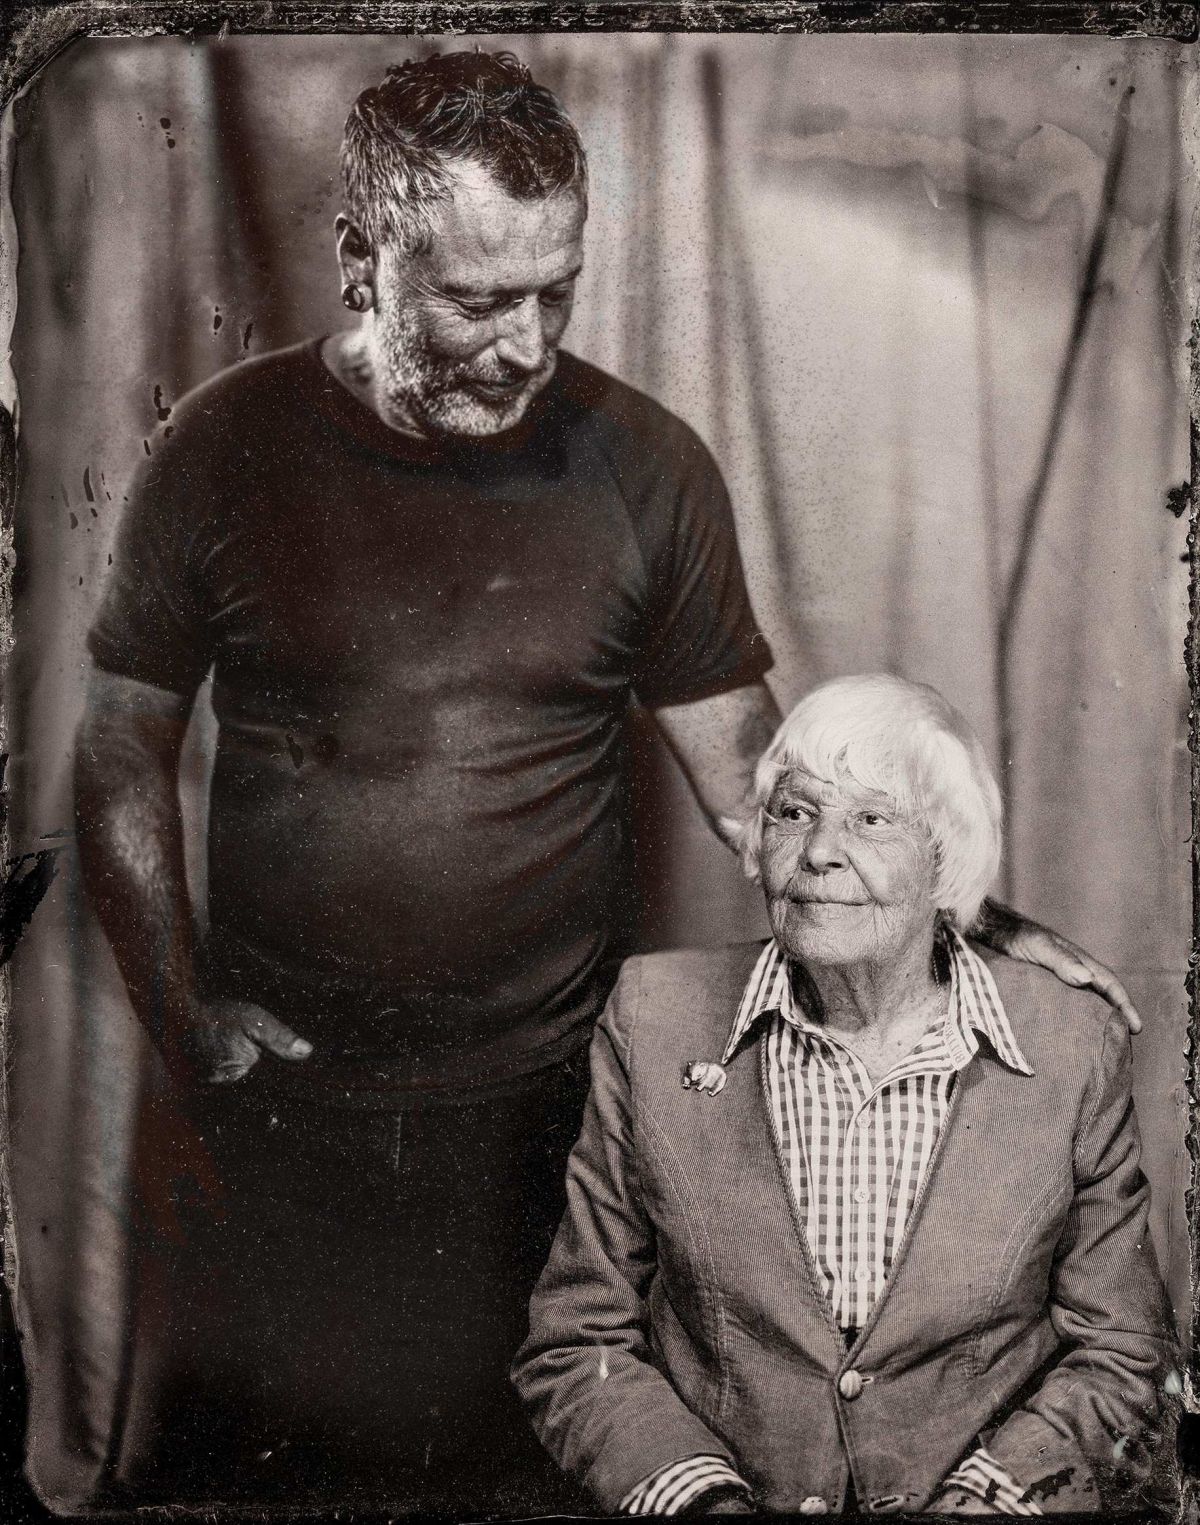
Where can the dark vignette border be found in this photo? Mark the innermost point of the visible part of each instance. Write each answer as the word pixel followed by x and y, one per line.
pixel 33 32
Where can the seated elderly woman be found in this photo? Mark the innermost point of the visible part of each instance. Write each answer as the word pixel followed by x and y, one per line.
pixel 856 1219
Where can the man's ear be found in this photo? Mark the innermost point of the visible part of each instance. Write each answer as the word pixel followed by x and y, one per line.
pixel 356 257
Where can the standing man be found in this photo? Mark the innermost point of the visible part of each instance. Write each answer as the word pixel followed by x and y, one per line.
pixel 430 564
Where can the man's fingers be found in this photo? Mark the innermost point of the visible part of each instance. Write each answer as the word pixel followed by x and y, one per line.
pixel 238 1058
pixel 1078 968
pixel 1105 983
pixel 272 1034
pixel 1038 945
pixel 231 1070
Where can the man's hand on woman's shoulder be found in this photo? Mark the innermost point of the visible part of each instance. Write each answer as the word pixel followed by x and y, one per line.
pixel 1001 928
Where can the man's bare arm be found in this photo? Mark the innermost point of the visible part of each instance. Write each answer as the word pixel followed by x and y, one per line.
pixel 130 832
pixel 717 743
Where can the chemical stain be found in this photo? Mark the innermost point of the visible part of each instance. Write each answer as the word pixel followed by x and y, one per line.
pixel 87 485
pixel 295 751
pixel 74 522
pixel 28 878
pixel 217 320
pixel 146 446
pixel 1047 1487
pixel 246 332
pixel 161 408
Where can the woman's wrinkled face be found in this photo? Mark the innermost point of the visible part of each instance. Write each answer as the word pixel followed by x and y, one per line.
pixel 848 880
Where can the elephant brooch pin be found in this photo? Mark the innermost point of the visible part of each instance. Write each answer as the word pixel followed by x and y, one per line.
pixel 699 1075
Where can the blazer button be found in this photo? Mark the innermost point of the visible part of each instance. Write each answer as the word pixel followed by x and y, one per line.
pixel 814 1504
pixel 850 1384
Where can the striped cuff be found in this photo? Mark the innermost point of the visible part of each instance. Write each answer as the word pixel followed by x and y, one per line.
pixel 982 1475
pixel 674 1487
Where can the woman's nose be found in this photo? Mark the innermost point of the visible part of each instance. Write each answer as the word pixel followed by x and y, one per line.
pixel 824 848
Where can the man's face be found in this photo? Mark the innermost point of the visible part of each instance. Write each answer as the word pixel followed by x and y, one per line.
pixel 465 334
pixel 847 880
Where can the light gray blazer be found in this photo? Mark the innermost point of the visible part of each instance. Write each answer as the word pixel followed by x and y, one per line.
pixel 680 1313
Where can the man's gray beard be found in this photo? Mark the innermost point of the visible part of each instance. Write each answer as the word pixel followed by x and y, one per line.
pixel 414 388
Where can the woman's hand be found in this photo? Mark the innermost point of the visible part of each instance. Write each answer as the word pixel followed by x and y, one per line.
pixel 726 1503
pixel 959 1501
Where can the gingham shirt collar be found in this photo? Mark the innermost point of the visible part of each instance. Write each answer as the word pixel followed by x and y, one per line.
pixel 975 1006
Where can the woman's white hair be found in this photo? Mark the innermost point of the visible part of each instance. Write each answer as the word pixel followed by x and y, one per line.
pixel 904 740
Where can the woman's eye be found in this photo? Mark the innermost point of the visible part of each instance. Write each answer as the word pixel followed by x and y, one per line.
pixel 873 818
pixel 793 813
pixel 555 298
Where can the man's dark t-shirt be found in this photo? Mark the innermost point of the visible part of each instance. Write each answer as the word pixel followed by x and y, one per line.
pixel 423 655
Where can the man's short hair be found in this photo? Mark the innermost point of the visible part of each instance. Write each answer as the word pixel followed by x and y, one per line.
pixel 404 135
pixel 903 739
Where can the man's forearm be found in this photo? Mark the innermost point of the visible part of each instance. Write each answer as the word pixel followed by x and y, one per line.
pixel 717 742
pixel 130 834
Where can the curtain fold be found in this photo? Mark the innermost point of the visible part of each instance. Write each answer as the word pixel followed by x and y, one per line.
pixel 851 264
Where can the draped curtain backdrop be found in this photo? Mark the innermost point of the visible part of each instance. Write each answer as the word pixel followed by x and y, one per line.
pixel 925 299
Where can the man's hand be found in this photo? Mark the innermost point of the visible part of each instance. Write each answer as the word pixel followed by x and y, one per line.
pixel 1001 928
pixel 224 1039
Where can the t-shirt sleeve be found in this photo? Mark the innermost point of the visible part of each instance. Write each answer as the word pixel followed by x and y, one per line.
pixel 701 635
pixel 153 622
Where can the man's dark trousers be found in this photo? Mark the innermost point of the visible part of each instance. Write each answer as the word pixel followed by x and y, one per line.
pixel 345 1306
